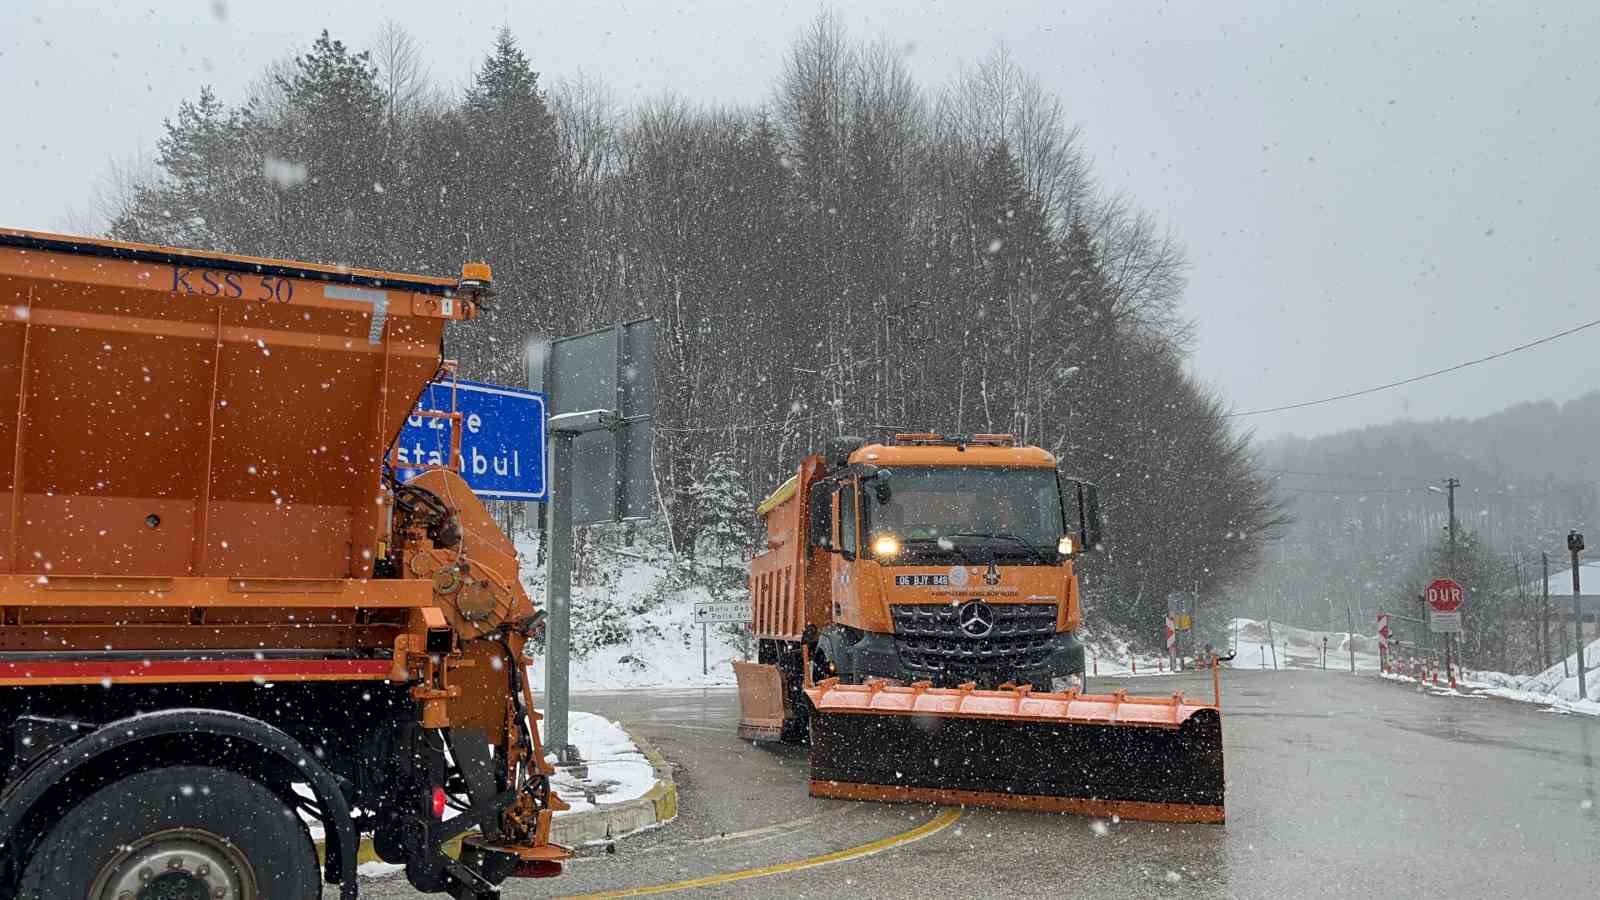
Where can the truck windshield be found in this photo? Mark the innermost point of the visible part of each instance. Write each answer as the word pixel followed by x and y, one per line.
pixel 967 514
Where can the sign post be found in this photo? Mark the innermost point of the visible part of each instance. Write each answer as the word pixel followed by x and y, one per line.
pixel 1575 546
pixel 1172 642
pixel 602 392
pixel 1444 598
pixel 707 613
pixel 558 601
pixel 1383 640
pixel 1350 636
pixel 1180 618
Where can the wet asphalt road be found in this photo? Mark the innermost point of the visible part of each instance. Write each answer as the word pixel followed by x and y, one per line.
pixel 1338 786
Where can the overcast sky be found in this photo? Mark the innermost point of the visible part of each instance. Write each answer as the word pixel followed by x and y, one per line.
pixel 1367 190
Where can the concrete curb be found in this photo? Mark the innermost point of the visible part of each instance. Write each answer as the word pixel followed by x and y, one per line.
pixel 605 822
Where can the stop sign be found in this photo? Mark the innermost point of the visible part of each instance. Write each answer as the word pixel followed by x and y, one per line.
pixel 1443 595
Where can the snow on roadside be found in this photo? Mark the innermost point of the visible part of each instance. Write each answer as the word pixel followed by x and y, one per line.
pixel 618 770
pixel 651 639
pixel 1473 684
pixel 662 650
pixel 1556 688
pixel 1551 702
pixel 1110 655
pixel 1298 648
pixel 1561 679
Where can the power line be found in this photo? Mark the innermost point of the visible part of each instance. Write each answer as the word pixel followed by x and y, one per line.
pixel 1351 490
pixel 1412 380
pixel 734 426
pixel 1277 471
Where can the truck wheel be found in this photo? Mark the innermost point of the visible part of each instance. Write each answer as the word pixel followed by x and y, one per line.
pixel 180 833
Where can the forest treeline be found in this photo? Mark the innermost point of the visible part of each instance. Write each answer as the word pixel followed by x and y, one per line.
pixel 858 254
pixel 1370 517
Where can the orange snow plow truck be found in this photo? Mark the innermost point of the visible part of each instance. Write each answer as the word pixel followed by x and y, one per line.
pixel 915 611
pixel 226 619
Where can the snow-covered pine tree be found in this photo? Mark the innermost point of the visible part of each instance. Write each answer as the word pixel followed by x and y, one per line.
pixel 726 527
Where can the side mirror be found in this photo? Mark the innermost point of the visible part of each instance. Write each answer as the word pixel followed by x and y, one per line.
pixel 1091 525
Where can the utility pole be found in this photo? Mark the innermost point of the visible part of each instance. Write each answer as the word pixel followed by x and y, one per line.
pixel 1194 624
pixel 1450 485
pixel 1575 545
pixel 1350 637
pixel 1273 643
pixel 1544 613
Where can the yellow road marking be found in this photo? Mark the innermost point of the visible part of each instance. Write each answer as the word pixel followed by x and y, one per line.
pixel 933 826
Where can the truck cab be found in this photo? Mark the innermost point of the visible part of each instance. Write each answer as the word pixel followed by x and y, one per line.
pixel 949 560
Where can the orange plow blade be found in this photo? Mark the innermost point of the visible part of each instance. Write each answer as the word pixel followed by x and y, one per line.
pixel 760 701
pixel 1145 758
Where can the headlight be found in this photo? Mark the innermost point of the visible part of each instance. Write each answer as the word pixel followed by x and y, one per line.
pixel 885 546
pixel 1064 546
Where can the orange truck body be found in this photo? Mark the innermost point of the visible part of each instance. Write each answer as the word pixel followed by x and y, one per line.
pixel 794 587
pixel 194 492
pixel 926 657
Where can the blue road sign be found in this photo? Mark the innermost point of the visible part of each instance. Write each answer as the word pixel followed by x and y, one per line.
pixel 502 438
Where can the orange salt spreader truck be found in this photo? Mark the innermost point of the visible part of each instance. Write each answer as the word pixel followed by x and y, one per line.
pixel 915 610
pixel 222 614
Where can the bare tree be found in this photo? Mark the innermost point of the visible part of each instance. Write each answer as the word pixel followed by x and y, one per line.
pixel 591 126
pixel 402 74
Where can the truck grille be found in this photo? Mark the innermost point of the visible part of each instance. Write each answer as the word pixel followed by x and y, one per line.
pixel 930 642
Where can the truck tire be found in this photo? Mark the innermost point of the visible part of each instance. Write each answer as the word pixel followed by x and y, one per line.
pixel 179 832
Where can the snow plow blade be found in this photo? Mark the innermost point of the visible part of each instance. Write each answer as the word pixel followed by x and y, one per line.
pixel 760 701
pixel 1156 759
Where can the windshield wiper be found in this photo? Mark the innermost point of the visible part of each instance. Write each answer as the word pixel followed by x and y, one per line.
pixel 953 546
pixel 1005 536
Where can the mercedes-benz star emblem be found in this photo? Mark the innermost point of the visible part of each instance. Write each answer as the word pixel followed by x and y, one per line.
pixel 975 618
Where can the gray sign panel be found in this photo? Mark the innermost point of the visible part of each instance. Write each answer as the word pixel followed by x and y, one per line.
pixel 612 369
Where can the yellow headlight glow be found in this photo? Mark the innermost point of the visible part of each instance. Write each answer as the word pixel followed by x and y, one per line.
pixel 1064 546
pixel 885 545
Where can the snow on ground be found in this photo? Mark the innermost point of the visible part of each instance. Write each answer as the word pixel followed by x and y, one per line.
pixel 662 650
pixel 1556 687
pixel 1298 648
pixel 1111 655
pixel 1553 702
pixel 1477 685
pixel 636 631
pixel 618 770
pixel 1561 679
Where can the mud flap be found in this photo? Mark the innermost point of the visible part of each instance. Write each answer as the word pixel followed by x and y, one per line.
pixel 470 749
pixel 1143 758
pixel 761 705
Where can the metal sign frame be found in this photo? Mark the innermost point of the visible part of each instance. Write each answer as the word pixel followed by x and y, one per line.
pixel 607 374
pixel 602 417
